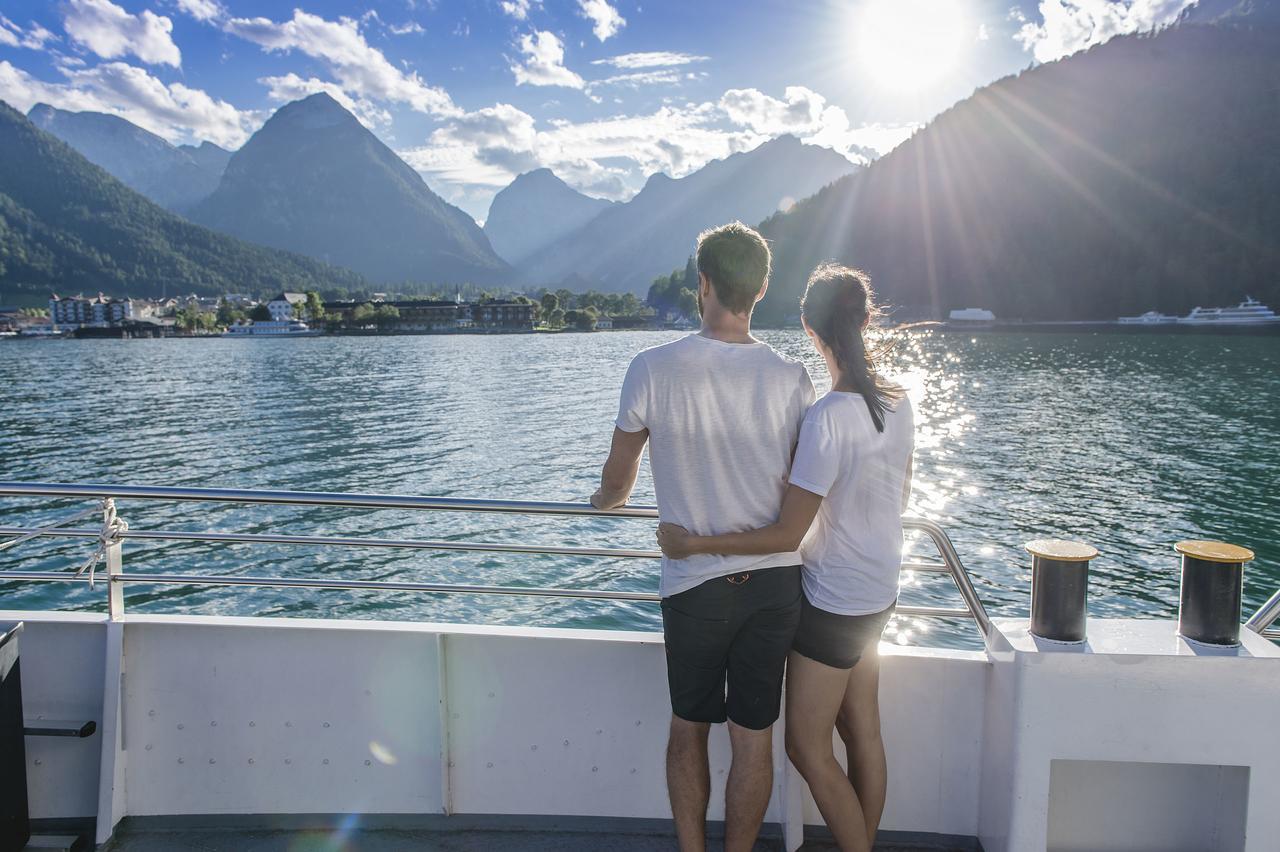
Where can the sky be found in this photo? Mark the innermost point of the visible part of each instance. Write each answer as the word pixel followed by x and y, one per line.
pixel 472 93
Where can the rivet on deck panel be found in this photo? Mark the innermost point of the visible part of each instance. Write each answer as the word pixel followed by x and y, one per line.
pixel 148 746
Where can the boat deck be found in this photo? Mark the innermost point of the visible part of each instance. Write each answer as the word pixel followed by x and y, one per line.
pixel 549 839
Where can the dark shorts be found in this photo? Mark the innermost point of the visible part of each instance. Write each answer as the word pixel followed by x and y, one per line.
pixel 838 640
pixel 734 633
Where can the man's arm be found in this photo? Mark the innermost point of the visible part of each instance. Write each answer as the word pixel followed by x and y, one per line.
pixel 621 468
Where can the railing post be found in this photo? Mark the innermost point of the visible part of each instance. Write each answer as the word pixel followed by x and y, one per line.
pixel 112 546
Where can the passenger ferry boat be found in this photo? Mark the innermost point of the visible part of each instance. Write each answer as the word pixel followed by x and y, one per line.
pixel 1250 312
pixel 212 732
pixel 270 328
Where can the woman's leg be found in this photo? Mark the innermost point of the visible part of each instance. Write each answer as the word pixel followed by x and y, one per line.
pixel 859 726
pixel 815 693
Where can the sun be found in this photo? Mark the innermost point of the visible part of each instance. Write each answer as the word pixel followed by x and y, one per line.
pixel 907 45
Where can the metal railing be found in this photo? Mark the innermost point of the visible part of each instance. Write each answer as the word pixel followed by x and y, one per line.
pixel 112 534
pixel 1261 621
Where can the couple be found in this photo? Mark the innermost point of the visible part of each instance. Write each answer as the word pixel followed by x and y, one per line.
pixel 744 463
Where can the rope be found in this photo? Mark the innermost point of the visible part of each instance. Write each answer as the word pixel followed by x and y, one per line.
pixel 112 533
pixel 5 545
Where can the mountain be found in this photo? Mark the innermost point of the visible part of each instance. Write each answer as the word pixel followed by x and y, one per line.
pixel 535 210
pixel 1250 12
pixel 208 156
pixel 1141 174
pixel 627 245
pixel 175 178
pixel 67 224
pixel 314 180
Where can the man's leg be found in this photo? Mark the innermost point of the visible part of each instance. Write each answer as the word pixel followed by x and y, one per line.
pixel 749 787
pixel 757 659
pixel 689 782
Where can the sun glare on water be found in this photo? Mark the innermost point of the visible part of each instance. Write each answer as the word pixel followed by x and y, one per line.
pixel 908 45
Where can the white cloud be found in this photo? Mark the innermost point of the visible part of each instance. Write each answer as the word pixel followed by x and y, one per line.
pixel 203 10
pixel 111 32
pixel 1068 26
pixel 543 63
pixel 174 111
pixel 518 9
pixel 407 28
pixel 34 38
pixel 806 114
pixel 637 79
pixel 650 59
pixel 605 20
pixel 982 35
pixel 360 69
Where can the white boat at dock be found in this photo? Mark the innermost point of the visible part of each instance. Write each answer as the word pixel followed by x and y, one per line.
pixel 1149 318
pixel 971 318
pixel 271 328
pixel 1250 312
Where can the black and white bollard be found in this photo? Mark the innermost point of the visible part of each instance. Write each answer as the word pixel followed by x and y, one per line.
pixel 1059 588
pixel 1212 586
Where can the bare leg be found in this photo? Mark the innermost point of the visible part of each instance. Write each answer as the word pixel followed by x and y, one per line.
pixel 859 727
pixel 689 782
pixel 749 786
pixel 814 696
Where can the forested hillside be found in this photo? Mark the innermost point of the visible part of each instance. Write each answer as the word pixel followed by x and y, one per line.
pixel 67 224
pixel 1141 174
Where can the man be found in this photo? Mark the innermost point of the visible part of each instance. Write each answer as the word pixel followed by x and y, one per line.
pixel 722 413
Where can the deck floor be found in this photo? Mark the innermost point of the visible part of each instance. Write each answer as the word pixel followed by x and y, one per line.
pixel 397 840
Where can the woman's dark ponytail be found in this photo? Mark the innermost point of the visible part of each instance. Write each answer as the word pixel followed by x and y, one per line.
pixel 838 304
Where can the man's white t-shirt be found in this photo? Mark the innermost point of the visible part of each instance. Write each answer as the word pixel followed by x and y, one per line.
pixel 853 552
pixel 723 419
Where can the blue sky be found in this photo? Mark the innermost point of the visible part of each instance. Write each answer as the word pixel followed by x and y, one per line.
pixel 604 92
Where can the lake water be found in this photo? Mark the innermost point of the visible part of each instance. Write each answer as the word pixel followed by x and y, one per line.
pixel 1128 441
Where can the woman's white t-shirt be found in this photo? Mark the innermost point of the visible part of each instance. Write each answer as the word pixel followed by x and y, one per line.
pixel 853 553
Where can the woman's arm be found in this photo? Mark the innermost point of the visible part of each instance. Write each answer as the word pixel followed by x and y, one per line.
pixel 799 508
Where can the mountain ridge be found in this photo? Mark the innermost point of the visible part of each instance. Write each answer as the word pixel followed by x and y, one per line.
pixel 535 210
pixel 627 245
pixel 68 224
pixel 175 177
pixel 1137 175
pixel 315 181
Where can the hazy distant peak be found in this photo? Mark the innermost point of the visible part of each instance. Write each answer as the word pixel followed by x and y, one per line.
pixel 314 112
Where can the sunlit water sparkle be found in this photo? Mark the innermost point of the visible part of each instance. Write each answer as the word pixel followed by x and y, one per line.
pixel 1129 442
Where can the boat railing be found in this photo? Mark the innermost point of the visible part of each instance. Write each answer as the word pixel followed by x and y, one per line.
pixel 1263 621
pixel 111 532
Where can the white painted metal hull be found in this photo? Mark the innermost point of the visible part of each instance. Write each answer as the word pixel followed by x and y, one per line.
pixel 259 716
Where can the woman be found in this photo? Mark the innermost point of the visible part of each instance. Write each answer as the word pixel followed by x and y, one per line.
pixel 852 472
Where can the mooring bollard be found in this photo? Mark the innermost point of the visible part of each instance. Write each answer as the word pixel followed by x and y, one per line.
pixel 1059 588
pixel 1212 586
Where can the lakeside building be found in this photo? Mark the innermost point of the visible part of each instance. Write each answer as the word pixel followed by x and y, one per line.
pixel 443 316
pixel 97 312
pixel 281 307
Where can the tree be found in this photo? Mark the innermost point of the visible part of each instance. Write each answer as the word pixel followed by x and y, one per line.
pixel 556 319
pixel 228 314
pixel 314 306
pixel 586 319
pixel 384 315
pixel 550 302
pixel 362 315
pixel 260 312
pixel 687 303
